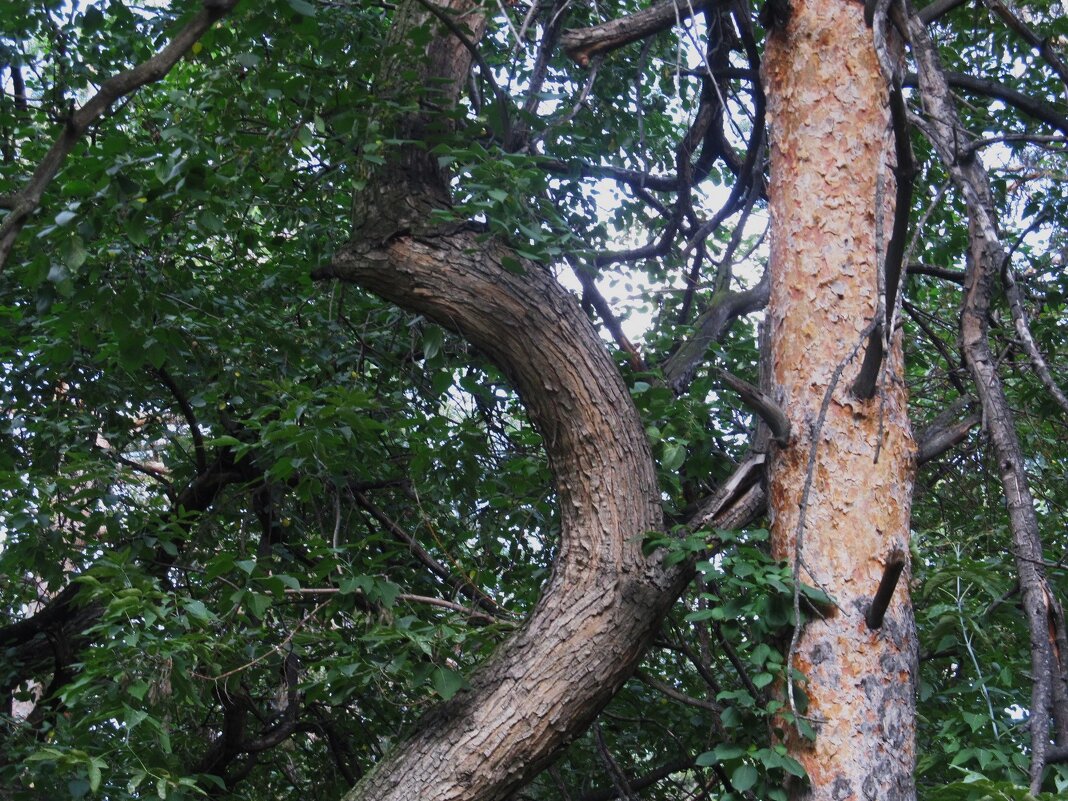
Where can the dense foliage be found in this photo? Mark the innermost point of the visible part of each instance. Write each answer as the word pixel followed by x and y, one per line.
pixel 284 518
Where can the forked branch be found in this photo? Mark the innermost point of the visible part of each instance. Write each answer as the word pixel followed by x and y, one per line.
pixel 118 86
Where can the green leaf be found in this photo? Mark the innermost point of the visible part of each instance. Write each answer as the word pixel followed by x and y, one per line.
pixel 446 682
pixel 744 777
pixel 721 753
pixel 793 767
pixel 432 339
pixel 258 603
pixel 197 610
pixel 674 456
pixel 74 253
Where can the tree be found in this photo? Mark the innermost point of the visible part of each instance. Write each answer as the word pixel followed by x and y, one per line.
pixel 317 477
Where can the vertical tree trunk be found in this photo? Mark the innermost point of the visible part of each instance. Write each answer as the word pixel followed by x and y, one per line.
pixel 840 492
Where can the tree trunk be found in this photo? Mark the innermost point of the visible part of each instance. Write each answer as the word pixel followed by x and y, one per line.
pixel 840 493
pixel 987 259
pixel 605 598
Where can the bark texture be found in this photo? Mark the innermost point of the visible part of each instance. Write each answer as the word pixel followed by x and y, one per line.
pixel 987 260
pixel 840 493
pixel 605 598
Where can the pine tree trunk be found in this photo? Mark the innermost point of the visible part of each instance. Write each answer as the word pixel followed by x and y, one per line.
pixel 840 493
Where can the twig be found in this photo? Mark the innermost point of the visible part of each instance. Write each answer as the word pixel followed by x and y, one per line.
pixel 615 773
pixel 421 554
pixel 155 68
pixel 274 649
pixel 452 606
pixel 188 413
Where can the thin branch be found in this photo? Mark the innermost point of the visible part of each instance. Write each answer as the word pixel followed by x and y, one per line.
pixel 458 583
pixel 1043 45
pixel 895 563
pixel 937 9
pixel 582 44
pixel 1031 139
pixel 987 258
pixel 956 276
pixel 943 350
pixel 576 107
pixel 1023 331
pixel 652 250
pixel 762 405
pixel 713 324
pixel 799 531
pixel 634 178
pixel 188 413
pixel 677 695
pixel 615 773
pixel 114 88
pixel 1039 109
pixel 274 649
pixel 591 293
pixel 452 606
pixel 642 782
pixel 738 665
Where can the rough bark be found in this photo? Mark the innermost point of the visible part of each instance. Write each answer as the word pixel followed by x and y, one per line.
pixel 987 259
pixel 605 598
pixel 840 493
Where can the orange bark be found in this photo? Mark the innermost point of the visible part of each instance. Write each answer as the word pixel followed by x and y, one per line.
pixel 832 152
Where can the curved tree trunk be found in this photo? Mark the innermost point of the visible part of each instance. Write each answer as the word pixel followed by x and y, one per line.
pixel 605 599
pixel 840 493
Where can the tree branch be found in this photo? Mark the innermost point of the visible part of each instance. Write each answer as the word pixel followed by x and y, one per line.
pixel 762 405
pixel 189 415
pixel 679 368
pixel 458 583
pixel 939 8
pixel 956 276
pixel 29 197
pixel 1023 331
pixel 947 430
pixel 602 466
pixel 642 782
pixel 582 44
pixel 986 259
pixel 1038 109
pixel 1023 30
